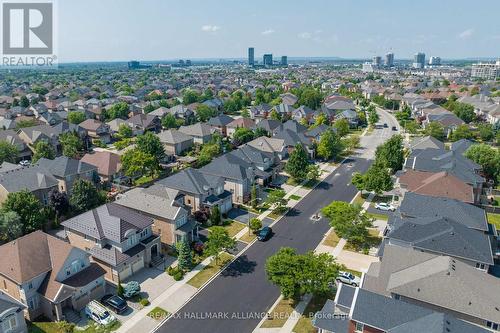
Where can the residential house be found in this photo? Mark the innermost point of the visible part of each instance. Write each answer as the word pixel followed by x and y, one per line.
pixel 239 123
pixel 292 133
pixel 271 145
pixel 441 283
pixel 424 142
pixel 357 310
pixel 261 111
pixel 289 99
pixel 23 152
pixel 284 110
pixel 108 164
pixel 182 112
pixel 270 125
pixel 201 132
pixel 454 163
pixel 199 191
pixel 170 219
pixel 49 276
pixel 304 112
pixel 175 142
pixel 219 123
pixel 140 123
pixel 119 239
pixel 238 174
pixel 265 167
pixel 437 184
pixel 440 235
pixel 11 315
pixel 417 205
pixel 68 170
pixel 97 130
pixel 32 135
pixel 33 179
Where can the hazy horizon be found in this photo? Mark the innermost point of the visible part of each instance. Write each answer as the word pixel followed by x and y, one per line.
pixel 152 30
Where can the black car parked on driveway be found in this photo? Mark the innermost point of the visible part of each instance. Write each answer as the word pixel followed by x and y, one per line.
pixel 116 303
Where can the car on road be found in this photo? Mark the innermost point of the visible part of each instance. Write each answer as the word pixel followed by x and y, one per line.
pixel 394 128
pixel 348 278
pixel 385 206
pixel 98 313
pixel 385 125
pixel 264 234
pixel 24 163
pixel 116 303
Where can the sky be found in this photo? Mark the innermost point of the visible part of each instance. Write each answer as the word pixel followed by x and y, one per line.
pixel 121 30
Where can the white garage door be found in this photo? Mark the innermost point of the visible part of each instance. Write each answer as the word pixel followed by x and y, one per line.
pixel 137 266
pixel 125 273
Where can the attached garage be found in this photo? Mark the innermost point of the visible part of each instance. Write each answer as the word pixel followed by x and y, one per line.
pixel 138 265
pixel 125 273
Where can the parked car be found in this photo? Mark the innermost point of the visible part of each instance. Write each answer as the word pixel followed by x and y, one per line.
pixel 385 125
pixel 116 303
pixel 273 185
pixel 394 128
pixel 131 289
pixel 264 234
pixel 24 163
pixel 98 313
pixel 348 278
pixel 385 206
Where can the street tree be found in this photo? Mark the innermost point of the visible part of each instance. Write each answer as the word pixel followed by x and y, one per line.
pixel 255 224
pixel 330 145
pixel 377 179
pixel 342 126
pixel 348 221
pixel 391 153
pixel 218 241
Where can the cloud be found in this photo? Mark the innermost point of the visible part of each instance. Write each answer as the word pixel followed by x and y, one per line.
pixel 268 32
pixel 466 34
pixel 210 28
pixel 305 35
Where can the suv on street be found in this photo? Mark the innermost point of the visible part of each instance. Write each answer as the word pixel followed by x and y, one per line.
pixel 385 206
pixel 264 234
pixel 348 278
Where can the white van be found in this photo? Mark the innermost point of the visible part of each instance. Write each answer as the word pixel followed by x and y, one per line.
pixel 98 313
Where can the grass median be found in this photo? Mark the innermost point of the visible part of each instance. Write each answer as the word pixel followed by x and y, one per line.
pixel 210 270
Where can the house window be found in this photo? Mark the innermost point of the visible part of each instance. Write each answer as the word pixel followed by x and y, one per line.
pixel 4 284
pixel 359 327
pixel 33 303
pixel 10 323
pixel 30 285
pixel 480 266
pixel 397 297
pixel 188 201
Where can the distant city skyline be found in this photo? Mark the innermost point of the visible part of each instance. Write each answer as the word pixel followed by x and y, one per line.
pixel 120 30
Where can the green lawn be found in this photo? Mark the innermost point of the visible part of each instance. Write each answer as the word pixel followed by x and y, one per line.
pixel 52 327
pixel 331 240
pixel 376 216
pixel 373 240
pixel 279 314
pixel 210 270
pixel 295 197
pixel 359 200
pixel 352 271
pixel 304 325
pixel 232 227
pixel 247 238
pixel 158 314
pixel 494 219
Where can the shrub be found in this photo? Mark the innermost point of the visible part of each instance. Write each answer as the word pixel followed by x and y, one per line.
pixel 178 275
pixel 170 270
pixel 144 302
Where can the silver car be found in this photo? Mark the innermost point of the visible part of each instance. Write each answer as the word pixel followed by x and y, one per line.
pixel 385 206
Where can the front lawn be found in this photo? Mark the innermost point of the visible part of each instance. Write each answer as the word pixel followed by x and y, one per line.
pixel 304 325
pixel 279 314
pixel 53 327
pixel 295 197
pixel 373 240
pixel 331 240
pixel 158 314
pixel 210 270
pixel 247 238
pixel 232 227
pixel 494 219
pixel 377 216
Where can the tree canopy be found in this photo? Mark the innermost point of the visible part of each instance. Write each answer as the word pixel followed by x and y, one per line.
pixel 8 152
pixel 43 149
pixel 298 163
pixel 391 153
pixel 85 196
pixel 218 241
pixel 29 209
pixel 330 145
pixel 488 158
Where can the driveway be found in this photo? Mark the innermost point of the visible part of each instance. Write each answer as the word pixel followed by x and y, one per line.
pixel 240 215
pixel 356 261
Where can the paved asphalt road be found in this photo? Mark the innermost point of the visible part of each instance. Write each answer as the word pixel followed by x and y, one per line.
pixel 242 290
